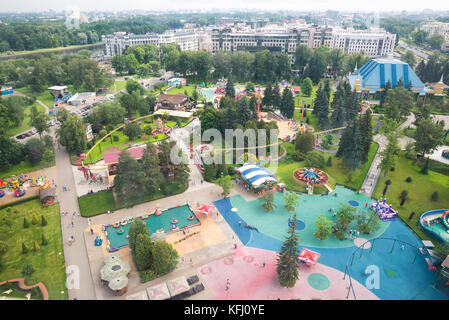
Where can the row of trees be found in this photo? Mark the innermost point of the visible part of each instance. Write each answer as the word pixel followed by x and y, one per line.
pixel 314 63
pixel 153 174
pixel 152 255
pixel 40 73
pixel 12 111
pixel 355 141
pixel 437 64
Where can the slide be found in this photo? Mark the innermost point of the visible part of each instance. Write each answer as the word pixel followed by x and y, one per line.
pixel 445 218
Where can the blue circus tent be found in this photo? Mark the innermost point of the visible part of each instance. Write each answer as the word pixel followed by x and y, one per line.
pixel 377 72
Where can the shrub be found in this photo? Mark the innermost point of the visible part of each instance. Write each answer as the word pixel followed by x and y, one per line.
pixel 26 224
pixel 43 221
pixel 48 155
pixel 434 196
pixel 24 248
pixel 329 162
pixel 27 270
pixel 299 156
pixel 147 275
pixel 3 247
pixel 34 219
pixel 44 241
pixel 36 246
pixel 340 235
pixel 315 159
pixel 409 179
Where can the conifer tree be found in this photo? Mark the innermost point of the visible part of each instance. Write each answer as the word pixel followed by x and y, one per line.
pixel 43 221
pixel 24 248
pixel 44 240
pixel 230 90
pixel 287 261
pixel 322 107
pixel 366 131
pixel 36 246
pixel 338 116
pixel 276 96
pixel 26 224
pixel 268 96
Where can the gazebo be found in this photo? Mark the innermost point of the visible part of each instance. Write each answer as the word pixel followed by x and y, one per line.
pixel 178 285
pixel 158 292
pixel 308 256
pixel 115 273
pixel 118 286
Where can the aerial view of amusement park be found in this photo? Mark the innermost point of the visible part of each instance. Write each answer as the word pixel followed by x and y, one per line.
pixel 223 155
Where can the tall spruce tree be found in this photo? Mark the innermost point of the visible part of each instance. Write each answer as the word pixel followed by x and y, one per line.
pixel 322 107
pixel 152 169
pixel 353 156
pixel 268 96
pixel 327 89
pixel 338 116
pixel 287 261
pixel 366 131
pixel 276 96
pixel 287 103
pixel 352 103
pixel 230 90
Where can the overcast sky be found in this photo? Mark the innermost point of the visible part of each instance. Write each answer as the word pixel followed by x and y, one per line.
pixel 318 5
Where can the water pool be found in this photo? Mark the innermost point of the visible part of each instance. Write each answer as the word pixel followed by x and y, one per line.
pixel 153 223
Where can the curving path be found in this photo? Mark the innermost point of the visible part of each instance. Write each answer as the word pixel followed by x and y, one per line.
pixel 22 285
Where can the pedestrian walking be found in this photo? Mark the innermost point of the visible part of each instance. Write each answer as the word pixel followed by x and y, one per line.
pixel 91 231
pixel 73 225
pixel 263 264
pixel 235 245
pixel 240 223
pixel 88 221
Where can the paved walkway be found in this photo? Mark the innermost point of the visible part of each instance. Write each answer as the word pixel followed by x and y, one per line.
pixel 74 254
pixel 374 171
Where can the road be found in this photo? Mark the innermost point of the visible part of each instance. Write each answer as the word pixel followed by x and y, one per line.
pixel 417 51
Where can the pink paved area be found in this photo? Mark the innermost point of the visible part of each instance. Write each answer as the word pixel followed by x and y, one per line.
pixel 249 280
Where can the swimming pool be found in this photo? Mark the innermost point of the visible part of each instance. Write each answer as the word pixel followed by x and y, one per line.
pixel 118 239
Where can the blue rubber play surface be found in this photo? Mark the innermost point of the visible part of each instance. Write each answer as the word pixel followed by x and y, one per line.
pixel 400 277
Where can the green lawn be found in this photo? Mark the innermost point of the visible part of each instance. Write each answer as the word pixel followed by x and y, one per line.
pixel 25 166
pixel 311 99
pixel 176 90
pixel 337 174
pixel 25 125
pixel 97 155
pixel 98 203
pixel 45 97
pixel 76 46
pixel 419 191
pixel 48 263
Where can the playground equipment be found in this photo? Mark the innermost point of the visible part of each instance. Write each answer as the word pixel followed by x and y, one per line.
pixel 311 176
pixel 308 257
pixel 16 184
pixel 436 223
pixel 383 210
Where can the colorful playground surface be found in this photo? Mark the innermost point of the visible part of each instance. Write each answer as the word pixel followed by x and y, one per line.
pixel 393 250
pixel 160 221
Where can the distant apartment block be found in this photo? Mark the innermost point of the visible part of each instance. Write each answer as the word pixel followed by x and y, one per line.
pixel 435 27
pixel 188 40
pixel 373 43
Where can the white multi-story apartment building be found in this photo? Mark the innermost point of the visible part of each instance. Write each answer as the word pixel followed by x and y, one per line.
pixel 186 39
pixel 435 27
pixel 373 43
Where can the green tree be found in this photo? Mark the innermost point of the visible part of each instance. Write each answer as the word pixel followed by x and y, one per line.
pixel 230 91
pixel 368 222
pixel 225 183
pixel 151 168
pixel 303 54
pixel 137 227
pixel 323 227
pixel 276 96
pixel 436 41
pixel 44 240
pixel 165 257
pixel 305 142
pixel 39 120
pixel 72 134
pixel 132 130
pixel 133 85
pixel 428 136
pixel 409 57
pixel 315 160
pixel 143 255
pixel 24 248
pixel 306 87
pixel 129 183
pixel 366 131
pixel 268 96
pixel 268 201
pixel 26 224
pixel 291 199
pixel 36 246
pixel 287 103
pixel 287 261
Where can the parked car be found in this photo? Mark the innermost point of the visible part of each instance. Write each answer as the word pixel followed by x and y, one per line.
pixel 21 136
